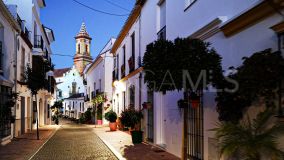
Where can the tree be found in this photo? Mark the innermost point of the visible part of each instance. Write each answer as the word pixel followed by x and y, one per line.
pixel 259 77
pixel 57 106
pixel 251 139
pixel 35 78
pixel 184 64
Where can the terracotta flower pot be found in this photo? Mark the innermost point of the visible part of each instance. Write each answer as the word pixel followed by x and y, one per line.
pixel 112 126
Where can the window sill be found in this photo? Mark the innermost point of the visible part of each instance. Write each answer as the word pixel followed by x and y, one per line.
pixel 189 6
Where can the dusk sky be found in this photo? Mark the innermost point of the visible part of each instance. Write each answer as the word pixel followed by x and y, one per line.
pixel 66 16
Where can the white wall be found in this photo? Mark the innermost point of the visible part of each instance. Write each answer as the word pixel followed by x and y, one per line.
pixel 71 76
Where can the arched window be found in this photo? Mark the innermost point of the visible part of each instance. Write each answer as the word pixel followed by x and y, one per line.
pixel 87 48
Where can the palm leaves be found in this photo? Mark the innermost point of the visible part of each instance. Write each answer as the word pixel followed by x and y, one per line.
pixel 250 139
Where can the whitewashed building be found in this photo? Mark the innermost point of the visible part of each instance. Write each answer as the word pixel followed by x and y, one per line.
pixel 27 14
pixel 70 86
pixel 98 76
pixel 234 28
pixel 9 29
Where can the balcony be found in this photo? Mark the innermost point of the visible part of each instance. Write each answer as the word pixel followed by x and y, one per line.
pixel 122 70
pixel 25 33
pixel 162 34
pixel 38 42
pixel 131 64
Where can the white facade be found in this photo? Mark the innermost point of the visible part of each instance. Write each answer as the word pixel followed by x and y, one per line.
pixel 74 107
pixel 40 38
pixel 98 76
pixel 70 83
pixel 65 83
pixel 9 30
pixel 184 19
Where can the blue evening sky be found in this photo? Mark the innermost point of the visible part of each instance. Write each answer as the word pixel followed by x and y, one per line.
pixel 66 16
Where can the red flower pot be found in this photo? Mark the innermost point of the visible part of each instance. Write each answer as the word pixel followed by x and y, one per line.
pixel 112 126
pixel 99 122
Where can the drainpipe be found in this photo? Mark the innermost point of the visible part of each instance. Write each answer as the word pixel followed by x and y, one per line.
pixel 15 81
pixel 140 75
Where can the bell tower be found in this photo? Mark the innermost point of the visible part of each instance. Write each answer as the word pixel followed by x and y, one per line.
pixel 83 55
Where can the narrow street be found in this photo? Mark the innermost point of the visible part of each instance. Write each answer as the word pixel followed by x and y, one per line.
pixel 74 141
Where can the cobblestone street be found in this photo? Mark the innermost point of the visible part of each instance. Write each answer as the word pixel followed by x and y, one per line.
pixel 73 141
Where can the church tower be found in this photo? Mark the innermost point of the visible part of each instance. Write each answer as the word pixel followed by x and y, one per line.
pixel 83 45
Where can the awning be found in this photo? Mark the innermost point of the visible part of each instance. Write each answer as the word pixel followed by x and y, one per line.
pixel 5 82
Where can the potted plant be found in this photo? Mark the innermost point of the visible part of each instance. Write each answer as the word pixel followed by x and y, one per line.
pixel 111 116
pixel 99 115
pixel 131 118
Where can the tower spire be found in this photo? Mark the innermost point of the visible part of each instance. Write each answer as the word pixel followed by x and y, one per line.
pixel 83 32
pixel 83 43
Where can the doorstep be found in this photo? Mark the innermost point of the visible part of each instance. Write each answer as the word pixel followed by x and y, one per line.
pixel 120 143
pixel 6 140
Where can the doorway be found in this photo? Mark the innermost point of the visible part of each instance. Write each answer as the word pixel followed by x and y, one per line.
pixel 23 122
pixel 150 117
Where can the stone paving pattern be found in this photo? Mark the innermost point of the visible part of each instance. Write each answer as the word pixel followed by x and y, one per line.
pixel 122 143
pixel 24 146
pixel 74 142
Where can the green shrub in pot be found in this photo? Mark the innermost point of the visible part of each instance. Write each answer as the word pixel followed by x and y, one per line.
pixel 132 118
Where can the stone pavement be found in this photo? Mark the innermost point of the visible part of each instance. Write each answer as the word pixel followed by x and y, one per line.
pixel 74 142
pixel 24 146
pixel 120 143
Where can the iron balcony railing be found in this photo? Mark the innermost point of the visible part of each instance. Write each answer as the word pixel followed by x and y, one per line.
pixel 38 42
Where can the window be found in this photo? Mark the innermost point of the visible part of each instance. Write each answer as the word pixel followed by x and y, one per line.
pixel 162 21
pixel 79 48
pixel 188 3
pixel 5 114
pixel 100 83
pixel 95 86
pixel 195 132
pixel 133 47
pixel 80 106
pixel 87 48
pixel 22 63
pixel 132 95
pixel 124 54
pixel 162 33
pixel 60 93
